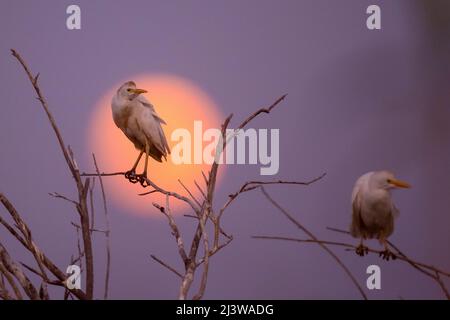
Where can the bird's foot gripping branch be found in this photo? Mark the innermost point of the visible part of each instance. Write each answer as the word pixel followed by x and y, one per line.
pixel 361 250
pixel 135 178
pixel 387 254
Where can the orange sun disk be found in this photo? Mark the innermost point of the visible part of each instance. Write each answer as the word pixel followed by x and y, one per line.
pixel 179 102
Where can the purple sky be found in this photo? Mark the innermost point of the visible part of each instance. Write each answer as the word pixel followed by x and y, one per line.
pixel 358 101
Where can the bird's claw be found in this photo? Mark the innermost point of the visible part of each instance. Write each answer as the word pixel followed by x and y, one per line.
pixel 143 180
pixel 135 178
pixel 131 176
pixel 129 173
pixel 387 254
pixel 361 250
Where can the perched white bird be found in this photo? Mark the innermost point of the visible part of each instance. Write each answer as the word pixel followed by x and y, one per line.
pixel 373 208
pixel 138 120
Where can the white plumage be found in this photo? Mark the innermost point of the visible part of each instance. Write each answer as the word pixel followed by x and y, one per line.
pixel 138 120
pixel 373 210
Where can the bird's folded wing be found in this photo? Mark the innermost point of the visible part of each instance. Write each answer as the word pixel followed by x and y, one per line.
pixel 154 130
pixel 147 104
pixel 163 139
pixel 357 223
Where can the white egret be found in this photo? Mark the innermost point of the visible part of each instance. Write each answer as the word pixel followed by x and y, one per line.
pixel 138 120
pixel 373 209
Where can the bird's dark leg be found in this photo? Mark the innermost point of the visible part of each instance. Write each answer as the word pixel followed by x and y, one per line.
pixel 143 176
pixel 361 250
pixel 131 174
pixel 386 254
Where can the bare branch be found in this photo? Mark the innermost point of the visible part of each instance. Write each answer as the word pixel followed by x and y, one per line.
pixel 262 110
pixel 107 233
pixel 402 256
pixel 86 236
pixel 351 247
pixel 10 279
pixel 252 185
pixel 156 188
pixel 204 278
pixel 166 265
pixel 90 230
pixel 313 237
pixel 17 272
pixel 82 187
pixel 442 285
pixel 205 179
pixel 4 293
pixel 175 230
pixel 216 249
pixel 430 271
pixel 190 193
pixel 103 174
pixel 44 104
pixel 91 203
pixel 28 244
pixel 60 196
pixel 43 291
pixel 200 189
pixel 26 233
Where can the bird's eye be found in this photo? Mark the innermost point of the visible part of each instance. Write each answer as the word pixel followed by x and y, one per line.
pixel 389 180
pixel 129 90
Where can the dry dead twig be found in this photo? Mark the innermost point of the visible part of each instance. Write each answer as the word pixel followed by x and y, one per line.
pixel 23 234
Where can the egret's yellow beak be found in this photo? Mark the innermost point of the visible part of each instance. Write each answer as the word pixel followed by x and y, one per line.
pixel 400 184
pixel 138 91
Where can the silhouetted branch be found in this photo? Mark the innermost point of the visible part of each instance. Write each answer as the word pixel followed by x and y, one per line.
pixel 315 239
pixel 82 187
pixel 5 273
pixel 91 203
pixel 17 272
pixel 262 110
pixel 189 193
pixel 60 196
pixel 107 232
pixel 25 239
pixel 155 187
pixel 175 230
pixel 433 272
pixel 429 270
pixel 165 265
pixel 80 203
pixel 402 256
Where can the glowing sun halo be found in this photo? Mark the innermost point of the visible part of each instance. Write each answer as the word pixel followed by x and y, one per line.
pixel 179 102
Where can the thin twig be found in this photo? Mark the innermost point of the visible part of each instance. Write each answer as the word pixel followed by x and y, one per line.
pixel 405 258
pixel 200 189
pixel 82 187
pixel 31 246
pixel 189 192
pixel 166 266
pixel 107 233
pixel 150 183
pixel 313 237
pixel 91 203
pixel 175 230
pixel 60 196
pixel 262 110
pixel 429 270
